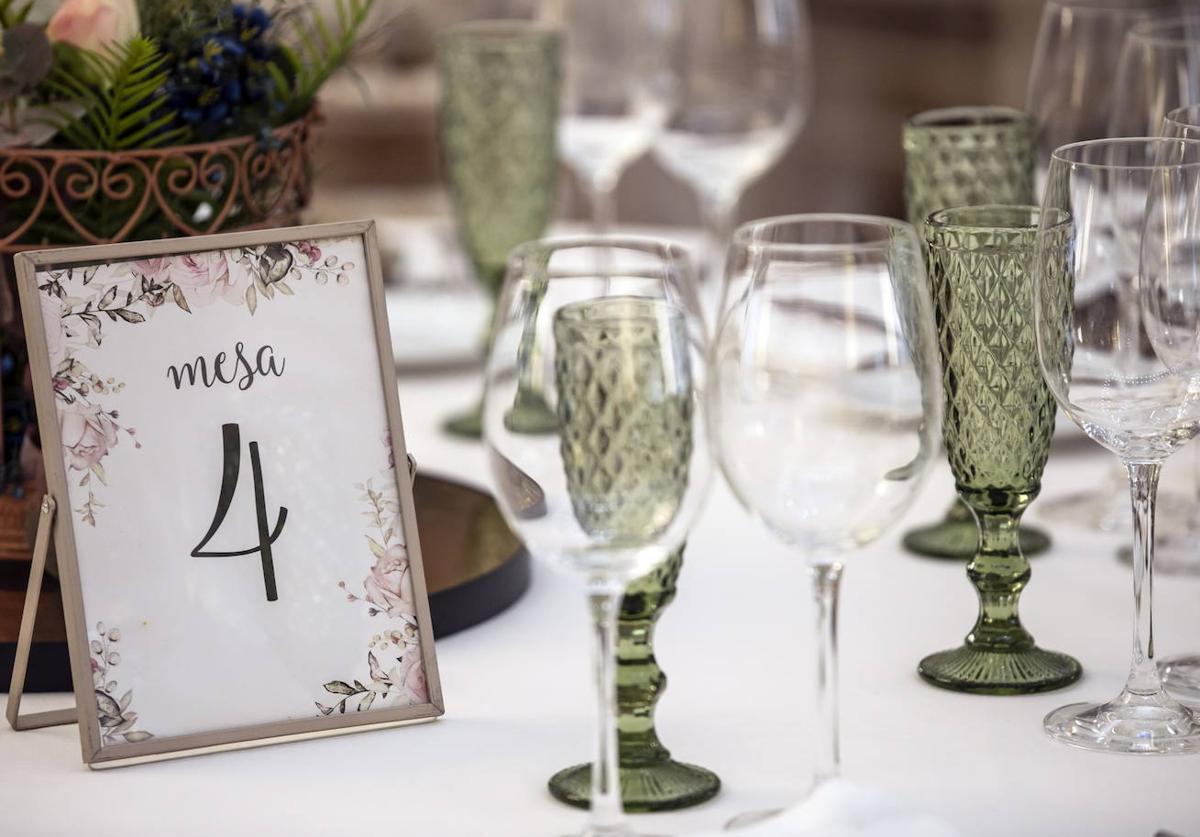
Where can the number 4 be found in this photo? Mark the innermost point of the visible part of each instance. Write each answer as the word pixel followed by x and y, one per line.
pixel 231 436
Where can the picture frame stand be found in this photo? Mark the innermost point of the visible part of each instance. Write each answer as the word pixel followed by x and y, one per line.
pixel 37 571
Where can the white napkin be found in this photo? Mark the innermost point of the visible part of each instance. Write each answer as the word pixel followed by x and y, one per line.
pixel 842 809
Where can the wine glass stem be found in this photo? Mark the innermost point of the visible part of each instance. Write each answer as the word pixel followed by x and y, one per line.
pixel 719 208
pixel 604 203
pixel 1143 486
pixel 607 812
pixel 826 579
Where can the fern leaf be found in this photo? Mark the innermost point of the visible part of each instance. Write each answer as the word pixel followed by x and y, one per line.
pixel 121 91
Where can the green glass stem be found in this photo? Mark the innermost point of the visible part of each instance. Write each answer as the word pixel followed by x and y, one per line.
pixel 956 537
pixel 650 779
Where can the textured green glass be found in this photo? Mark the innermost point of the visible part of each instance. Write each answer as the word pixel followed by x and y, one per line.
pixel 997 427
pixel 500 90
pixel 966 156
pixel 625 446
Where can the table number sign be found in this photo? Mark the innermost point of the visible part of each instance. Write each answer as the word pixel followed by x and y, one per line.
pixel 237 546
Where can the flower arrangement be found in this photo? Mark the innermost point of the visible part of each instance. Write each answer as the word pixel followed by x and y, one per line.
pixel 141 119
pixel 113 75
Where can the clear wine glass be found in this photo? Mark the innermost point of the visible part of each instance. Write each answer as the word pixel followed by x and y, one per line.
pixel 609 115
pixel 1159 70
pixel 611 491
pixel 1073 73
pixel 1094 344
pixel 826 401
pixel 736 81
pixel 1070 96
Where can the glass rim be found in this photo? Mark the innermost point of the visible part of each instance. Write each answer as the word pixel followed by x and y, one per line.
pixel 1107 7
pixel 747 234
pixel 1061 157
pixel 1173 117
pixel 1159 31
pixel 580 314
pixel 941 219
pixel 1001 116
pixel 503 30
pixel 670 252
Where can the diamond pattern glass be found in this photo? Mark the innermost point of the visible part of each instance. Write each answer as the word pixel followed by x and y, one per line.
pixel 999 420
pixel 500 89
pixel 966 156
pixel 625 451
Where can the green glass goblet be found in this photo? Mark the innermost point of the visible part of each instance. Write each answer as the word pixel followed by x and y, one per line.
pixel 621 452
pixel 499 111
pixel 999 420
pixel 966 156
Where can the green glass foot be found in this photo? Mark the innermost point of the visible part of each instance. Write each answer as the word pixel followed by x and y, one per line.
pixel 956 538
pixel 468 425
pixel 983 672
pixel 530 414
pixel 666 786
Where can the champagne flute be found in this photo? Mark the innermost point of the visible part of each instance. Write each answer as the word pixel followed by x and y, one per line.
pixel 1125 198
pixel 608 116
pixel 499 108
pixel 621 360
pixel 736 80
pixel 826 401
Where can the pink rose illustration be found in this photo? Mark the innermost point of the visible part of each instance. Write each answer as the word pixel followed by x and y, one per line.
pixel 157 269
pixel 411 677
pixel 87 434
pixel 207 277
pixel 389 586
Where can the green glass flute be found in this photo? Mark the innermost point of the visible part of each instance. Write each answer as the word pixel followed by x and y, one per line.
pixel 965 156
pixel 499 110
pixel 997 427
pixel 621 454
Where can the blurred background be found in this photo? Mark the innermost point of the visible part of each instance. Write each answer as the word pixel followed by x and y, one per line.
pixel 878 62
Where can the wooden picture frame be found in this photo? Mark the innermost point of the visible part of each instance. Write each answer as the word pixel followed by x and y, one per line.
pixel 274 261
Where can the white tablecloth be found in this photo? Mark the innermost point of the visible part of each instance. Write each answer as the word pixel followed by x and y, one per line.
pixel 738 648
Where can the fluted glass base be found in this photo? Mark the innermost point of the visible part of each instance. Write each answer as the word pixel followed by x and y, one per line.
pixel 468 424
pixel 958 541
pixel 531 415
pixel 665 786
pixel 987 672
pixel 1181 675
pixel 1154 724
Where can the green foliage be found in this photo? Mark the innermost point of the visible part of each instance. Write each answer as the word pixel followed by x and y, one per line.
pixel 121 93
pixel 314 53
pixel 174 24
pixel 13 12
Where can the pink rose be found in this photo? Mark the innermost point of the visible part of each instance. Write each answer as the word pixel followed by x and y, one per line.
pixel 94 24
pixel 87 434
pixel 206 277
pixel 389 587
pixel 411 677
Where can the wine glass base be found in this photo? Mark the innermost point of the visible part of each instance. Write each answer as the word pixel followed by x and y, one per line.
pixel 531 415
pixel 665 786
pixel 751 818
pixel 468 425
pixel 1155 724
pixel 979 671
pixel 959 541
pixel 1181 676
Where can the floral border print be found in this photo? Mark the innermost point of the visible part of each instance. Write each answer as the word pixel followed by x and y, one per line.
pixel 117 719
pixel 77 306
pixel 395 673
